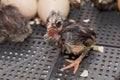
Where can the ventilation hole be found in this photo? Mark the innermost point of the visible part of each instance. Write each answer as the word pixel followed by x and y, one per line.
pixel 96 64
pixel 95 69
pixel 9 65
pixel 97 59
pixel 21 67
pixel 117 57
pixel 104 56
pixel 12 71
pixel 110 62
pixel 101 70
pixel 24 72
pixel 21 77
pixel 18 72
pixel 34 65
pixel 113 76
pixel 107 71
pixel 118 54
pixel 26 68
pixel 43 75
pixel 114 72
pixel 4 75
pixel 48 66
pixel 116 63
pixel 16 76
pixel 28 64
pixel 92 78
pixel 103 65
pixel 34 78
pixel 1 69
pixel 106 75
pixel 32 69
pixel 28 78
pixel 41 79
pixel 36 74
pixel 38 69
pixel 109 66
pixel 111 56
pixel 49 61
pixel 103 61
pixel 99 74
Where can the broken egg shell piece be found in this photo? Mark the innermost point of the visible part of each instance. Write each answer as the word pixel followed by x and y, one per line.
pixel 84 73
pixel 86 20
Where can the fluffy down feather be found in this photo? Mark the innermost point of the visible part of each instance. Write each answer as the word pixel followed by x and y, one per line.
pixel 13 26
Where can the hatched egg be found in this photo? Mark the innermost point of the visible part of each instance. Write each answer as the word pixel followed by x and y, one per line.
pixel 45 7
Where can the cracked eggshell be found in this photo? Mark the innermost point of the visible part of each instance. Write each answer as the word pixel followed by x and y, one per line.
pixel 46 6
pixel 27 8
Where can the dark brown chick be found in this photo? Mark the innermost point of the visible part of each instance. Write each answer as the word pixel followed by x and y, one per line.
pixel 73 39
pixel 76 40
pixel 105 5
pixel 13 26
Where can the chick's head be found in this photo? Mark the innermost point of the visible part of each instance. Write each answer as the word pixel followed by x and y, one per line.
pixel 54 26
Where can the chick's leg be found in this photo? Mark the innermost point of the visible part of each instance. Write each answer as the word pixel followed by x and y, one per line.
pixel 73 63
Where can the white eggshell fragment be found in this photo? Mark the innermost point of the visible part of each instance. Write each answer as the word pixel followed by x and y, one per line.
pixel 84 73
pixel 86 20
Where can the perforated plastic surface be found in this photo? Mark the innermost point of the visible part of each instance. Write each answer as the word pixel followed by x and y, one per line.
pixel 35 60
pixel 100 66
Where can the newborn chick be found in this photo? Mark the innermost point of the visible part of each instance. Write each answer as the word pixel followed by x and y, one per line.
pixel 105 4
pixel 13 26
pixel 73 39
pixel 76 40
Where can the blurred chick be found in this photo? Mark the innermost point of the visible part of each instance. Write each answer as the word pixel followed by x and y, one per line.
pixel 104 5
pixel 13 26
pixel 72 39
pixel 76 40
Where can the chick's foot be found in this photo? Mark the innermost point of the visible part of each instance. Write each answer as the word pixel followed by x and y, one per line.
pixel 73 63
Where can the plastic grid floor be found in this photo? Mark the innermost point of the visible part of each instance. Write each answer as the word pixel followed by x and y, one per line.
pixel 101 66
pixel 35 60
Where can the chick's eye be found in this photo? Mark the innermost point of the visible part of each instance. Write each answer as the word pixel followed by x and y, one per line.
pixel 58 24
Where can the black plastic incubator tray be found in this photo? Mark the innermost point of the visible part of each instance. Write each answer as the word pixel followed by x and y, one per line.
pixel 34 59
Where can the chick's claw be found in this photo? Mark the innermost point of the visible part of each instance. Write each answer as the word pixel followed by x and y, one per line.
pixel 73 63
